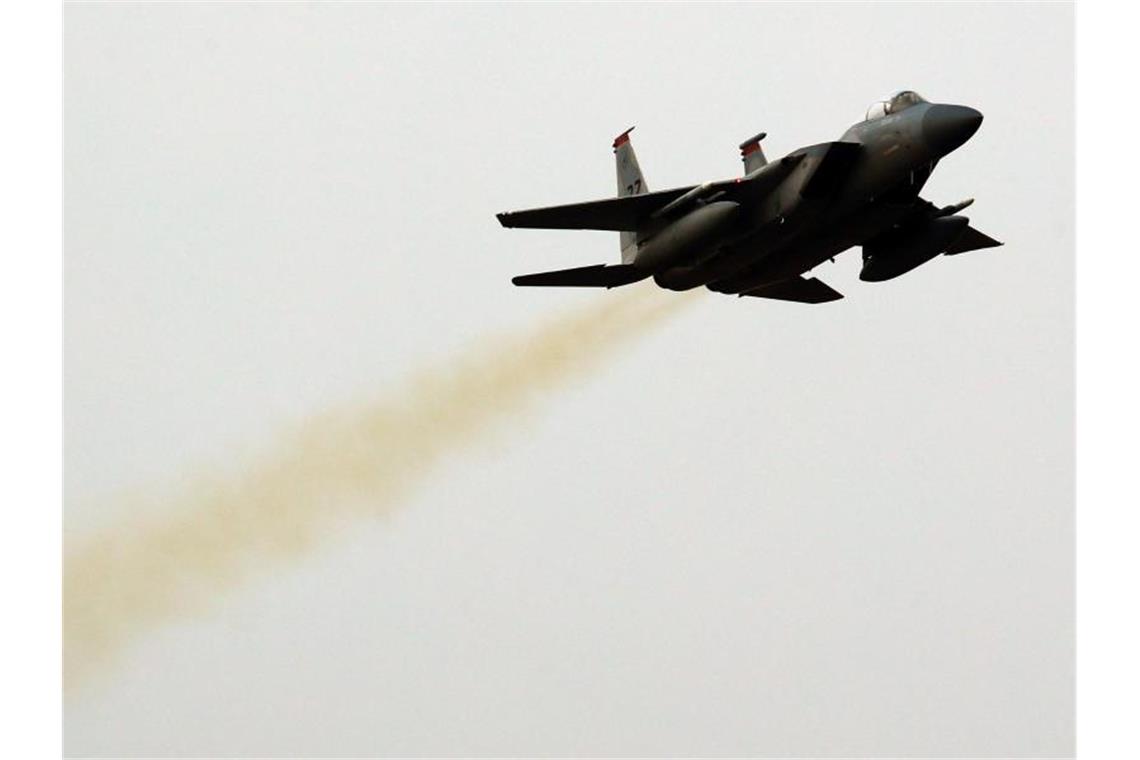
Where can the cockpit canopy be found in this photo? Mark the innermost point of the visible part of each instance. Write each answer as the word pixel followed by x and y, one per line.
pixel 899 101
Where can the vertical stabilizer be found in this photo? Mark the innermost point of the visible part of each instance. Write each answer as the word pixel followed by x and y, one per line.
pixel 752 154
pixel 629 182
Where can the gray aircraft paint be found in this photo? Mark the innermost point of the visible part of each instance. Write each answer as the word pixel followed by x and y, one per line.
pixel 759 234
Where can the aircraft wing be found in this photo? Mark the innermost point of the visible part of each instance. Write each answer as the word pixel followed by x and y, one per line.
pixel 633 211
pixel 804 290
pixel 609 214
pixel 971 240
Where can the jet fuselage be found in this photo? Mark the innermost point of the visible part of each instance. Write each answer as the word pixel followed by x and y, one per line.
pixel 790 231
pixel 758 234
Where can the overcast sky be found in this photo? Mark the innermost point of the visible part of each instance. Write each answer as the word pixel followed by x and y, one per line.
pixel 761 528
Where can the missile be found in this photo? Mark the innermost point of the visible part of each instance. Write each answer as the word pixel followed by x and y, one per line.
pixel 685 200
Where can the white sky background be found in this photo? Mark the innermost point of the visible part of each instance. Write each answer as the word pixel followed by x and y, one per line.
pixel 765 529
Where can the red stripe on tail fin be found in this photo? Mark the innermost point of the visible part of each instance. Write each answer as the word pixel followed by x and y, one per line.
pixel 622 139
pixel 751 153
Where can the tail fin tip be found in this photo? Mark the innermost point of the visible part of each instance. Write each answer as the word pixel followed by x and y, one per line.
pixel 752 154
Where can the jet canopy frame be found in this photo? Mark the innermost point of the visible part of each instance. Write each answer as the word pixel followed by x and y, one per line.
pixel 899 101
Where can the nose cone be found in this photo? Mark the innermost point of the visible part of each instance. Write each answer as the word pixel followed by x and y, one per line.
pixel 947 127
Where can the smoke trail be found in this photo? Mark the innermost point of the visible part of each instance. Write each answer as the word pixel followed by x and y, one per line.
pixel 355 462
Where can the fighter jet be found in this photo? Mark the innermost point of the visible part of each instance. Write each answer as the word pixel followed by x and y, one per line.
pixel 758 234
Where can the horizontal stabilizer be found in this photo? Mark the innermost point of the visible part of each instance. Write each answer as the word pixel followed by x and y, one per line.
pixel 797 289
pixel 625 213
pixel 597 276
pixel 971 240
